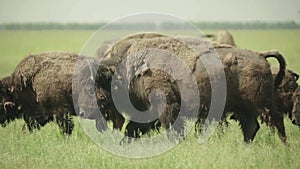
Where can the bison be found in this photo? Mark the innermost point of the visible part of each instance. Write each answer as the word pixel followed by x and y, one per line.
pixel 286 91
pixel 250 85
pixel 296 107
pixel 255 88
pixel 43 88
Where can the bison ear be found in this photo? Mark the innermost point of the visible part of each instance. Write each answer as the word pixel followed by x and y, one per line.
pixel 296 76
pixel 209 35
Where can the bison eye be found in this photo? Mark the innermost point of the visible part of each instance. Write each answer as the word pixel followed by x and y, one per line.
pixel 102 97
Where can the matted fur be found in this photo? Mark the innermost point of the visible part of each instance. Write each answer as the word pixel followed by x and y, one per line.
pixel 250 85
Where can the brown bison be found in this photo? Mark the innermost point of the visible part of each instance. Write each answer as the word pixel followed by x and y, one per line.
pixel 255 89
pixel 250 85
pixel 296 107
pixel 42 88
pixel 286 91
pixel 141 87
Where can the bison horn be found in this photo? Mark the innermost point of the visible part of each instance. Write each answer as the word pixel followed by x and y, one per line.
pixel 92 69
pixel 11 104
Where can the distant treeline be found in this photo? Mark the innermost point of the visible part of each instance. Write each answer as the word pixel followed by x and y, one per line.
pixel 150 26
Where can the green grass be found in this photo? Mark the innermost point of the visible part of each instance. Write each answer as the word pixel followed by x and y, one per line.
pixel 15 45
pixel 47 148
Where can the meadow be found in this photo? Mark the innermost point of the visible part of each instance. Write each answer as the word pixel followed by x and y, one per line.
pixel 47 148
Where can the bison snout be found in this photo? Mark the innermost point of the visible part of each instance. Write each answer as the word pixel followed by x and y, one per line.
pixel 88 113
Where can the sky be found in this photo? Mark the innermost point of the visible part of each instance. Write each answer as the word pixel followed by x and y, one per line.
pixel 91 11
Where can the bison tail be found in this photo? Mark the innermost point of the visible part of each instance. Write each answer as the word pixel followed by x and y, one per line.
pixel 282 66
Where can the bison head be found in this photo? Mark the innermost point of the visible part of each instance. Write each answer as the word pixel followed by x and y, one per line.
pixel 92 99
pixel 8 109
pixel 289 83
pixel 91 87
pixel 296 107
pixel 93 103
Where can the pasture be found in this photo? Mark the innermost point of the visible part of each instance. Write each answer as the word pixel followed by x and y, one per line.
pixel 47 148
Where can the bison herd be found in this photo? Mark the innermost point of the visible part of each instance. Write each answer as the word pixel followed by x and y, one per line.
pixel 55 86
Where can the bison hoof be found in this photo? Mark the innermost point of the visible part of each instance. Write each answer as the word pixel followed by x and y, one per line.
pixel 101 125
pixel 127 140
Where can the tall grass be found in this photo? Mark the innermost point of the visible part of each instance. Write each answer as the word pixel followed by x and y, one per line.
pixel 225 149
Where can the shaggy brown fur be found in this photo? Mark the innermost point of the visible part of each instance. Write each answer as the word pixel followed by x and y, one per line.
pixel 142 85
pixel 250 88
pixel 44 86
pixel 43 89
pixel 285 91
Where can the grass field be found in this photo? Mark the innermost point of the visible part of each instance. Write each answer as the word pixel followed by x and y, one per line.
pixel 47 148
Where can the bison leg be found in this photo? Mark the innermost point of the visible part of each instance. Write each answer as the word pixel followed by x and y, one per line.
pixel 202 115
pixel 43 121
pixel 65 124
pixel 101 124
pixel 277 121
pixel 249 126
pixel 178 127
pixel 31 122
pixel 131 131
pixel 170 119
pixel 118 121
pixel 135 130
